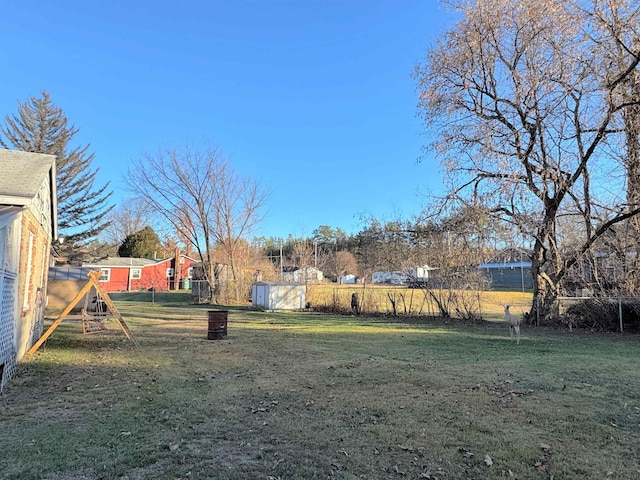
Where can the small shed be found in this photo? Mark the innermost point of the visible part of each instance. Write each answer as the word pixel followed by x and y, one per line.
pixel 348 278
pixel 278 295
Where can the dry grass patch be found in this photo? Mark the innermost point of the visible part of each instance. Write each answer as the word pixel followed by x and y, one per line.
pixel 410 301
pixel 292 396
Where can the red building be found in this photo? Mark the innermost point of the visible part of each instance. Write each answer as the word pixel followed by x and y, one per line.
pixel 121 274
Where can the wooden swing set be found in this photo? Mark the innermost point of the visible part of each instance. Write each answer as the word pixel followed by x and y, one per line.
pixel 94 318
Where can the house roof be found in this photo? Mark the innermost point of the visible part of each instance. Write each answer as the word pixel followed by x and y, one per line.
pixel 115 262
pixel 510 256
pixel 289 269
pixel 69 273
pixel 190 258
pixel 23 174
pixel 506 265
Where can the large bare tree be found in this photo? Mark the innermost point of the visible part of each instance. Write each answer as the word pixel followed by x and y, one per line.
pixel 128 217
pixel 302 253
pixel 527 103
pixel 204 199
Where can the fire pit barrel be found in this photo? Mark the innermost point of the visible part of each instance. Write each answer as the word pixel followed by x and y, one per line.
pixel 217 324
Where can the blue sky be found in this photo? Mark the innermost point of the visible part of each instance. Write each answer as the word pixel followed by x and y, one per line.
pixel 312 98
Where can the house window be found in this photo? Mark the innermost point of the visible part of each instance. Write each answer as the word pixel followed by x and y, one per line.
pixel 136 273
pixel 169 272
pixel 9 247
pixel 105 274
pixel 190 272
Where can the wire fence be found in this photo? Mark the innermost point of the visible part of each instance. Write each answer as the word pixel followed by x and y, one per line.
pixel 200 290
pixel 626 309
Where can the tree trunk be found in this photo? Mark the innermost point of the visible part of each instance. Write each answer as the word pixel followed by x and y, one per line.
pixel 632 134
pixel 546 262
pixel 212 274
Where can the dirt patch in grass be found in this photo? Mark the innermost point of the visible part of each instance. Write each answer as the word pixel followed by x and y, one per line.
pixel 293 396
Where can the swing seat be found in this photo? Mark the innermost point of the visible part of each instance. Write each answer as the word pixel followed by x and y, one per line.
pixel 92 322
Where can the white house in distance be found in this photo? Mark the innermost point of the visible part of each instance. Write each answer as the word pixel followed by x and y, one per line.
pixel 28 224
pixel 347 279
pixel 406 276
pixel 390 278
pixel 302 275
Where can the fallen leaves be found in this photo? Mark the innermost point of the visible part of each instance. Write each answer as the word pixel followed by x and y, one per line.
pixel 438 474
pixel 264 406
pixel 466 453
pixel 540 466
pixel 398 471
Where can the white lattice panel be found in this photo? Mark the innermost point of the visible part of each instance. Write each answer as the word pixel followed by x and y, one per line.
pixel 7 341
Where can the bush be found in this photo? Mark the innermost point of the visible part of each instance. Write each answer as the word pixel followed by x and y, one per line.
pixel 603 315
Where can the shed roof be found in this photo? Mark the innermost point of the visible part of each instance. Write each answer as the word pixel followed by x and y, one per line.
pixel 69 273
pixel 23 174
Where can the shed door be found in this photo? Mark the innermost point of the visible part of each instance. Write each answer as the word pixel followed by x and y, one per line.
pixel 260 295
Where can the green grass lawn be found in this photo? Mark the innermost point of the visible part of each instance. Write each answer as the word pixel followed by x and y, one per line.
pixel 306 396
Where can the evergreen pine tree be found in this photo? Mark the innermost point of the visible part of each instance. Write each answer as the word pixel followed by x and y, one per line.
pixel 42 127
pixel 141 244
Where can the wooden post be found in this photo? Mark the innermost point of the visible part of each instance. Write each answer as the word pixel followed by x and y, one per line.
pixel 620 314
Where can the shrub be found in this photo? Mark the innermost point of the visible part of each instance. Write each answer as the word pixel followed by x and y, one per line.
pixel 603 315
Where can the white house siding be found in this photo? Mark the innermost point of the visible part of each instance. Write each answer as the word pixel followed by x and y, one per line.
pixel 304 275
pixel 406 276
pixel 392 278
